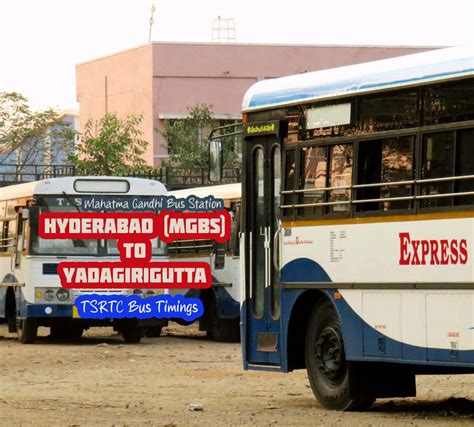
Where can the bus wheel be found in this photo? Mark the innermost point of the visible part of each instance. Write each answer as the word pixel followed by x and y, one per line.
pixel 335 383
pixel 131 332
pixel 222 330
pixel 152 331
pixel 27 330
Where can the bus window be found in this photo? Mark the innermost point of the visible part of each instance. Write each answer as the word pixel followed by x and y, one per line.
pixel 340 175
pixel 258 279
pixel 437 162
pixel 314 175
pixel 234 244
pixel 384 161
pixel 388 112
pixel 447 103
pixel 290 179
pixel 9 240
pixel 464 165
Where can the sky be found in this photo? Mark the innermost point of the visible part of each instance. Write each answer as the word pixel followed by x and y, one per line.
pixel 42 41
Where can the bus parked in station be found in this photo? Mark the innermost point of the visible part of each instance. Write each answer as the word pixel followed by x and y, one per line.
pixel 30 291
pixel 222 301
pixel 357 225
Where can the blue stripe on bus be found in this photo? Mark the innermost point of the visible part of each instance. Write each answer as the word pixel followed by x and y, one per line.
pixel 361 341
pixel 380 80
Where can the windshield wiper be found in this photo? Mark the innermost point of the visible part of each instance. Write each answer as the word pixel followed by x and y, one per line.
pixel 71 202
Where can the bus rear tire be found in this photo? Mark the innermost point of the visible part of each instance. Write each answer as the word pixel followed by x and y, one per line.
pixel 27 330
pixel 336 383
pixel 152 331
pixel 131 332
pixel 222 330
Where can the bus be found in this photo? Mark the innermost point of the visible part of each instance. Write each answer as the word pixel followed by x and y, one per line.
pixel 357 225
pixel 222 301
pixel 30 291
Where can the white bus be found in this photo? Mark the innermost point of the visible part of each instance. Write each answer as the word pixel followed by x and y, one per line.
pixel 357 225
pixel 30 291
pixel 222 301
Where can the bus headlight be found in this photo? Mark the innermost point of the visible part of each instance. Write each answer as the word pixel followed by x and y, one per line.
pixel 62 294
pixel 48 295
pixel 138 292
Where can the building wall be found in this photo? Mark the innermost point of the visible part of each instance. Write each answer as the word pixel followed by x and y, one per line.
pixel 118 83
pixel 161 80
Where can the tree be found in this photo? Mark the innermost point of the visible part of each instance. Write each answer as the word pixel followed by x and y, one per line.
pixel 111 146
pixel 187 139
pixel 28 137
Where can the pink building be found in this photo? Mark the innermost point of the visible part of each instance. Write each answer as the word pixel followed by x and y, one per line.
pixel 160 80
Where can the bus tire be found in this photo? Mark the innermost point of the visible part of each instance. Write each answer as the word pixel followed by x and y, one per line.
pixel 28 330
pixel 222 330
pixel 131 332
pixel 335 383
pixel 152 331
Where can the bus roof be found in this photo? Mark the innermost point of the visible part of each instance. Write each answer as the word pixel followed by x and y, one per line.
pixel 225 192
pixel 137 186
pixel 404 71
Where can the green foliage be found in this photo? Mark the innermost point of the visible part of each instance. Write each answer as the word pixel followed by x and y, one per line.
pixel 111 146
pixel 25 131
pixel 187 139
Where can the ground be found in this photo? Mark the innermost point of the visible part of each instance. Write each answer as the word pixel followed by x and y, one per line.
pixel 101 381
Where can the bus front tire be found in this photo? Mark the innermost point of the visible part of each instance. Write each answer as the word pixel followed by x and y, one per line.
pixel 335 383
pixel 131 332
pixel 27 330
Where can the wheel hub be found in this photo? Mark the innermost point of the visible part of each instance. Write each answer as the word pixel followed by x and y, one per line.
pixel 330 354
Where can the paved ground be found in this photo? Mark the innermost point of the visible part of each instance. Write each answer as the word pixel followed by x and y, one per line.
pixel 101 381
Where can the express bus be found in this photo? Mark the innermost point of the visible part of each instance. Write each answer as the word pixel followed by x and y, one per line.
pixel 357 225
pixel 30 291
pixel 222 301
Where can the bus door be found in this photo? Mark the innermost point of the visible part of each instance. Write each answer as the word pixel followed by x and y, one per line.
pixel 262 229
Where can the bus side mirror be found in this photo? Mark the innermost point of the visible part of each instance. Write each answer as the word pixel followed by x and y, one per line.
pixel 216 160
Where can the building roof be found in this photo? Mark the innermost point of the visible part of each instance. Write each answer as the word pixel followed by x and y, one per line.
pixel 402 71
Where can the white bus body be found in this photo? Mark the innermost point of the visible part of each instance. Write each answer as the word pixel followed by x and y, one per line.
pixel 358 229
pixel 29 294
pixel 222 301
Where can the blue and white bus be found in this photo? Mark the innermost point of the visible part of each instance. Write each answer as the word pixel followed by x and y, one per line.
pixel 222 301
pixel 357 225
pixel 30 290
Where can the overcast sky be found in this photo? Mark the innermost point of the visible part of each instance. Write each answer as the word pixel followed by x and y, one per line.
pixel 41 41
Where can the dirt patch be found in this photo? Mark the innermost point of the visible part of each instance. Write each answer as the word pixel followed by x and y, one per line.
pixel 102 381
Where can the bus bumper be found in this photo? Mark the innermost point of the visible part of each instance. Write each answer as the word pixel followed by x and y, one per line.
pixel 47 310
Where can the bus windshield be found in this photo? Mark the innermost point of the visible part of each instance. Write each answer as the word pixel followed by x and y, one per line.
pixel 60 203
